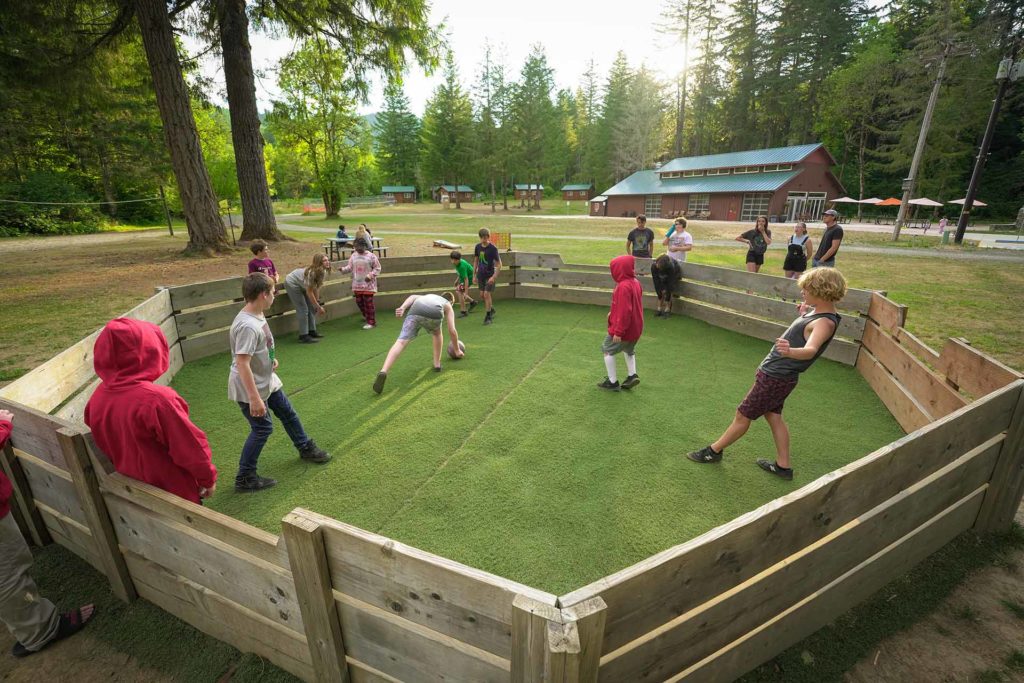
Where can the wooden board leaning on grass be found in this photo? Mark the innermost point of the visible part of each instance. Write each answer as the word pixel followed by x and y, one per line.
pixel 652 593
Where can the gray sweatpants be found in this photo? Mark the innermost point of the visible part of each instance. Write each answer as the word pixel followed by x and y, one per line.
pixel 304 308
pixel 31 618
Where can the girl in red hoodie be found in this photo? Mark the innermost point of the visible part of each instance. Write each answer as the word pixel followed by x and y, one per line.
pixel 625 324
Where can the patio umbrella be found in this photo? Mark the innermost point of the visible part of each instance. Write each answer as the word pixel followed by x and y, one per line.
pixel 924 201
pixel 891 201
pixel 961 202
pixel 844 200
pixel 872 200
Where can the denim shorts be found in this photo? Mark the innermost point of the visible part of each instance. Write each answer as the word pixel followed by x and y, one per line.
pixel 414 323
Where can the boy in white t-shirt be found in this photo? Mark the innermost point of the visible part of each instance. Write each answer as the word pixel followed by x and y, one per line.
pixel 678 241
pixel 253 384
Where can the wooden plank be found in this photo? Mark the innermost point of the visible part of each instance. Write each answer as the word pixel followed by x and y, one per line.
pixel 175 363
pixel 917 347
pixel 261 544
pixel 711 626
pixel 308 561
pixel 74 410
pixel 973 371
pixel 219 617
pixel 1007 484
pixel 155 309
pixel 562 663
pixel 22 500
pixel 364 673
pixel 458 601
pixel 52 486
pixel 565 295
pixel 589 618
pixel 846 591
pixel 565 278
pixel 525 259
pixel 35 432
pixel 888 314
pixel 69 534
pixel 771 285
pixel 410 652
pixel 655 591
pixel 927 387
pixel 908 411
pixel 262 587
pixel 76 455
pixel 530 621
pixel 196 294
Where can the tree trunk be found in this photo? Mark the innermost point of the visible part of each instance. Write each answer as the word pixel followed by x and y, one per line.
pixel 493 208
pixel 860 168
pixel 504 194
pixel 536 198
pixel 257 212
pixel 108 185
pixel 206 232
pixel 458 193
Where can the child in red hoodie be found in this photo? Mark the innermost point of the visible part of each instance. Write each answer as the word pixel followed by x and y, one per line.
pixel 144 427
pixel 625 323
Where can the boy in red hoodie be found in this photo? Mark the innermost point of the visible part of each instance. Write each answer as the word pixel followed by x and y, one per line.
pixel 31 618
pixel 144 427
pixel 625 324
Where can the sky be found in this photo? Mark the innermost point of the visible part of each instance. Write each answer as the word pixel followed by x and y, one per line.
pixel 572 33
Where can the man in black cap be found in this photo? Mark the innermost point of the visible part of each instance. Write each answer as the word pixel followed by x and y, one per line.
pixel 825 257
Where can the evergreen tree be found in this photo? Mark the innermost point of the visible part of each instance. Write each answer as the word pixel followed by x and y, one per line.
pixel 639 135
pixel 447 133
pixel 534 124
pixel 397 138
pixel 613 107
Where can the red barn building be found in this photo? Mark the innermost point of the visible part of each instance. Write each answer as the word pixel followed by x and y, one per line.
pixel 787 183
pixel 402 194
pixel 577 192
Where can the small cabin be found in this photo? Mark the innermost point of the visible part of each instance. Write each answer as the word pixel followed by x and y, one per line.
pixel 576 193
pixel 529 191
pixel 400 194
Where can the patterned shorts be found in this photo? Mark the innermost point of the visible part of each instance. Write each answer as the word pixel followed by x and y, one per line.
pixel 768 395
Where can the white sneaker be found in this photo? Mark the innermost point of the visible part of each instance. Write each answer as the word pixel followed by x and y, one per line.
pixel 368 326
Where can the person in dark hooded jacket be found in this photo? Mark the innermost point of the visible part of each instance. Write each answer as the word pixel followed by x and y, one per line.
pixel 144 427
pixel 625 323
pixel 666 274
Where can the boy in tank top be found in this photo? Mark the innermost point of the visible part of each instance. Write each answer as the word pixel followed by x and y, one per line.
pixel 796 350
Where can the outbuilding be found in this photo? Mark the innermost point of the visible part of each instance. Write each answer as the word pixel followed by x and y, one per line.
pixel 529 191
pixel 401 194
pixel 577 192
pixel 439 192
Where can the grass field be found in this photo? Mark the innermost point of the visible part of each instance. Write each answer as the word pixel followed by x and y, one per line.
pixel 572 482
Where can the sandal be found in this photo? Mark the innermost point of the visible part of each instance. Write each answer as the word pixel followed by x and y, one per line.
pixel 69 624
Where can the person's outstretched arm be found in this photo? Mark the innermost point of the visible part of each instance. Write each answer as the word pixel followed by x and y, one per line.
pixel 400 311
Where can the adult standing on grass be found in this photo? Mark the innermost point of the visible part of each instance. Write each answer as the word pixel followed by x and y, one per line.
pixel 640 239
pixel 757 241
pixel 678 241
pixel 798 251
pixel 254 385
pixel 303 288
pixel 826 255
pixel 488 265
pixel 31 618
pixel 425 312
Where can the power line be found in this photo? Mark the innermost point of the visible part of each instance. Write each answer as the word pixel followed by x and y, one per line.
pixel 119 201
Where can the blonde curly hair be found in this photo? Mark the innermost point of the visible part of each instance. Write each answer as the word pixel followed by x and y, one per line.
pixel 824 283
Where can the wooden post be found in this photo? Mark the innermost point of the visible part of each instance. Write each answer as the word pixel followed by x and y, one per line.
pixel 304 540
pixel 589 617
pixel 76 455
pixel 27 517
pixel 530 620
pixel 563 653
pixel 1007 483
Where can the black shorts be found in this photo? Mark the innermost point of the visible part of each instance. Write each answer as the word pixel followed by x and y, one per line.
pixel 754 257
pixel 796 265
pixel 484 285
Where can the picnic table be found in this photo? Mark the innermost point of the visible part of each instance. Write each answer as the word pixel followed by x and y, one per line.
pixel 340 248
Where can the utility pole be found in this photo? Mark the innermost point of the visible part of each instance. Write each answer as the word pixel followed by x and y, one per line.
pixel 911 180
pixel 1005 74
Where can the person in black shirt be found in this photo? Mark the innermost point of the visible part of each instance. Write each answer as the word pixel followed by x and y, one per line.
pixel 757 240
pixel 640 239
pixel 488 265
pixel 830 241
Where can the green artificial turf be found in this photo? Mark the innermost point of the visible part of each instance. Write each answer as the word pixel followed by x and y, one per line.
pixel 512 460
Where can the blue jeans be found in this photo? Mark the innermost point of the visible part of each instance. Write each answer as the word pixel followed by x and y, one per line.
pixel 262 427
pixel 304 308
pixel 831 263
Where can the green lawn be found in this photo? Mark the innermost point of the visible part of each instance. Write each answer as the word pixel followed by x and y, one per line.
pixel 512 460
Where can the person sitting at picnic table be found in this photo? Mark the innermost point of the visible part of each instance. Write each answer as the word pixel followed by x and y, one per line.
pixel 342 235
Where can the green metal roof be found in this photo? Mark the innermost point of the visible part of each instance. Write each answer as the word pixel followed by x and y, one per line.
pixel 573 188
pixel 397 188
pixel 754 157
pixel 527 186
pixel 648 182
pixel 451 188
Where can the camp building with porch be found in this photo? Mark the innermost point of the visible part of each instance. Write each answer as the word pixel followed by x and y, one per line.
pixel 784 183
pixel 401 194
pixel 528 191
pixel 439 192
pixel 577 192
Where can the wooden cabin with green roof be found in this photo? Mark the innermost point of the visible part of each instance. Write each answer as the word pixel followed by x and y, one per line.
pixel 440 192
pixel 528 191
pixel 401 194
pixel 578 192
pixel 783 183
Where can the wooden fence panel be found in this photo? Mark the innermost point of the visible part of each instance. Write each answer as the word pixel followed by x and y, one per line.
pixel 927 387
pixel 458 601
pixel 52 486
pixel 846 591
pixel 888 314
pixel 35 433
pixel 917 347
pixel 70 534
pixel 651 593
pixel 772 285
pixel 239 577
pixel 903 405
pixel 972 370
pixel 22 502
pixel 1007 486
pixel 704 630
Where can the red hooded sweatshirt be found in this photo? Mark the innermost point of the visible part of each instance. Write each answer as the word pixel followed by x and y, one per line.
pixel 5 484
pixel 626 318
pixel 144 427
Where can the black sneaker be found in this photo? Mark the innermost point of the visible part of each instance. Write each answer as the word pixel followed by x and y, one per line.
pixel 609 385
pixel 378 384
pixel 705 455
pixel 773 467
pixel 313 453
pixel 253 482
pixel 488 319
pixel 658 314
pixel 315 335
pixel 630 382
pixel 463 314
pixel 307 339
pixel 472 305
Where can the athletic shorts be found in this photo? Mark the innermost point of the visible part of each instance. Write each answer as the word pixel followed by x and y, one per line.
pixel 754 257
pixel 610 347
pixel 768 395
pixel 484 285
pixel 414 323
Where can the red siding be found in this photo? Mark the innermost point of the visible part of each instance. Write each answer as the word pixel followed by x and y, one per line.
pixel 623 204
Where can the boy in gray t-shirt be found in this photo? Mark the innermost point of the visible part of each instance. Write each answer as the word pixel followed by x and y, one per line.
pixel 254 385
pixel 425 312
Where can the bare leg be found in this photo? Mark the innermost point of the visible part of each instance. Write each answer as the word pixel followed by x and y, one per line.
pixel 751 267
pixel 394 353
pixel 438 339
pixel 487 301
pixel 780 432
pixel 732 434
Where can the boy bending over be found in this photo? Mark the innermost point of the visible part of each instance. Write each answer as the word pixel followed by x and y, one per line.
pixel 796 350
pixel 427 312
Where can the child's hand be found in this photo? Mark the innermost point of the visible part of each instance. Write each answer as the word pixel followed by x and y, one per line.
pixel 207 492
pixel 6 415
pixel 257 408
pixel 782 346
pixel 802 307
pixel 616 338
pixel 275 365
pixel 399 312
